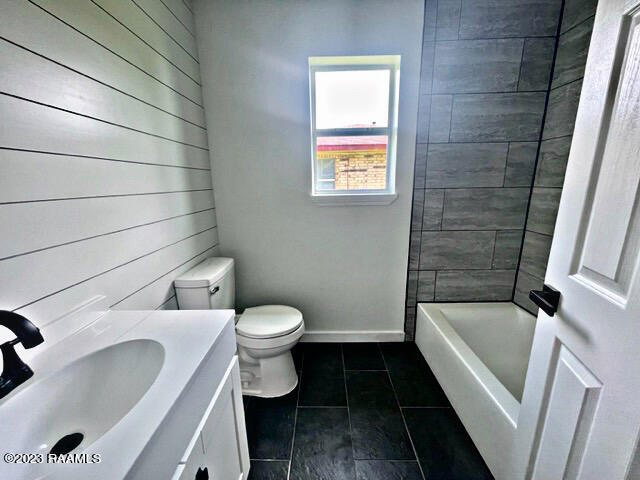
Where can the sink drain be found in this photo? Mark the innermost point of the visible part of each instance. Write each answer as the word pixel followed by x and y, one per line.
pixel 67 444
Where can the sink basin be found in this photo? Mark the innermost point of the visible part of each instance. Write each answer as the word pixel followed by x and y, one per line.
pixel 82 401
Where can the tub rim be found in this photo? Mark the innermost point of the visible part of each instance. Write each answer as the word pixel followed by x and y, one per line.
pixel 500 396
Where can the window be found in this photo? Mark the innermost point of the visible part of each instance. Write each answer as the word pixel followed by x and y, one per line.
pixel 354 103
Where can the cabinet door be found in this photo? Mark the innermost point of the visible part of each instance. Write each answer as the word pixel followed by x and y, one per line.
pixel 224 437
pixel 221 452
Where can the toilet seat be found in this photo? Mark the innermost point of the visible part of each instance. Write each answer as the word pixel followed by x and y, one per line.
pixel 268 322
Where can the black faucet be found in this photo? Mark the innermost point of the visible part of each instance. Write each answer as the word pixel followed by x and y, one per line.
pixel 14 371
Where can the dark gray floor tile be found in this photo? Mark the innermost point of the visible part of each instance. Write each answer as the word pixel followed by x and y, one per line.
pixel 376 422
pixel 474 285
pixel 413 381
pixel 318 389
pixel 576 11
pixel 363 356
pixel 497 117
pixel 270 423
pixel 297 353
pixel 562 110
pixel 322 447
pixel 521 162
pixel 552 162
pixel 379 434
pixel 445 450
pixel 450 250
pixel 269 470
pixel 507 250
pixel 571 58
pixel 485 208
pixel 537 58
pixel 370 390
pixel 387 470
pixel 452 165
pixel 470 66
pixel 322 358
pixel 509 18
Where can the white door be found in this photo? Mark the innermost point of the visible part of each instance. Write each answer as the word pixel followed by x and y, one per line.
pixel 580 412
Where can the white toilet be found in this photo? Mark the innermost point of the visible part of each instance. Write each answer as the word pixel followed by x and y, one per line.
pixel 265 334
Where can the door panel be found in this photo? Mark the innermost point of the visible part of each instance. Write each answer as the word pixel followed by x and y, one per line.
pixel 580 415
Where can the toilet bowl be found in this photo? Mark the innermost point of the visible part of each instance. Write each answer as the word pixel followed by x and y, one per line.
pixel 265 334
pixel 265 337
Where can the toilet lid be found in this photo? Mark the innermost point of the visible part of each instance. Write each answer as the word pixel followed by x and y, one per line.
pixel 268 321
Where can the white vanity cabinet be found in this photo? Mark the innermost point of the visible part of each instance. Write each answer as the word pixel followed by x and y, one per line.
pixel 219 449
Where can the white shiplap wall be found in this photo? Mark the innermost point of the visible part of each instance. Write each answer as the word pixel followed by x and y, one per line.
pixel 105 182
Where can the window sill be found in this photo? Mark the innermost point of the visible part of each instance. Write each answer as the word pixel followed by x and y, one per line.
pixel 354 199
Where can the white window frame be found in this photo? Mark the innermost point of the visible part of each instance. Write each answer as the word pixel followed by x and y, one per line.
pixel 369 62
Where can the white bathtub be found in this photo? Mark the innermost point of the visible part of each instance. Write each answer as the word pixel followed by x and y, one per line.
pixel 479 353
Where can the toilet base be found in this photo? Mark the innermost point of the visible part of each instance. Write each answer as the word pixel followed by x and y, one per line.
pixel 267 377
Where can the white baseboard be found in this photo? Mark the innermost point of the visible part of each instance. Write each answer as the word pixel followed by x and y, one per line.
pixel 345 336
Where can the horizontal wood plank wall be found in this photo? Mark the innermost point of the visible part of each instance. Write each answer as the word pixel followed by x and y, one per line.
pixel 105 182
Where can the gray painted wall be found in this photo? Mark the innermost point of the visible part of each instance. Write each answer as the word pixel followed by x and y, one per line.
pixel 484 82
pixel 571 57
pixel 103 147
pixel 345 267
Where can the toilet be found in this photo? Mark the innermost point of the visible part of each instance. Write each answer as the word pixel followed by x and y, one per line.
pixel 265 334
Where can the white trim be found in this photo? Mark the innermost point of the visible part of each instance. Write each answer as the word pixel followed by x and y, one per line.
pixel 330 64
pixel 354 199
pixel 337 336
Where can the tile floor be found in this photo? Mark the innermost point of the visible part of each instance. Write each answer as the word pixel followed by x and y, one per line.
pixel 362 411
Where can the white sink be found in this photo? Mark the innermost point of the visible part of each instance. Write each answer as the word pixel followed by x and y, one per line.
pixel 88 397
pixel 133 384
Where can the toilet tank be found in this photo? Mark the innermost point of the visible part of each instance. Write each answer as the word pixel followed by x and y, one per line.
pixel 208 285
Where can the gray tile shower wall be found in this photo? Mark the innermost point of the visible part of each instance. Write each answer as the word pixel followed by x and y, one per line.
pixel 485 77
pixel 571 57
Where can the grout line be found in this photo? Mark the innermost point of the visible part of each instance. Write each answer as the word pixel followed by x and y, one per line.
pixel 590 17
pixel 91 237
pixel 524 42
pixel 493 252
pixel 106 159
pixel 295 415
pixel 558 87
pixel 404 421
pixel 108 122
pixel 321 406
pixel 346 394
pixel 114 53
pixel 33 52
pixel 540 140
pixel 188 6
